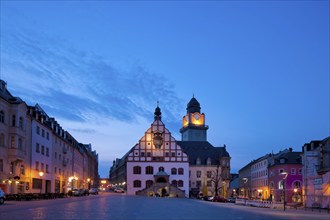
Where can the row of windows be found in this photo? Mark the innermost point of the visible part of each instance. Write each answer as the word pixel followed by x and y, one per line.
pixel 138 183
pixel 150 170
pixel 42 132
pixel 260 164
pixel 42 149
pixel 167 154
pixel 13 120
pixel 260 173
pixel 12 142
pixel 42 167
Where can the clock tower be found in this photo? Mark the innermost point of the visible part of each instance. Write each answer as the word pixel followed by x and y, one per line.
pixel 193 123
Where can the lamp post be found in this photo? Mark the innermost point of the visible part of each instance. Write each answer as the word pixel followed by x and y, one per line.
pixel 41 174
pixel 244 182
pixel 284 178
pixel 89 183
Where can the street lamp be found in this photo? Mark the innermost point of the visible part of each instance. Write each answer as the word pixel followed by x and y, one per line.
pixel 89 183
pixel 245 181
pixel 41 174
pixel 284 178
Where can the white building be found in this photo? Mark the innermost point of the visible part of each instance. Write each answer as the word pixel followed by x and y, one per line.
pixel 156 165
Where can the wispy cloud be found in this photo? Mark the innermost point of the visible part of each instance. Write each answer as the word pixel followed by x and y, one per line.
pixel 78 85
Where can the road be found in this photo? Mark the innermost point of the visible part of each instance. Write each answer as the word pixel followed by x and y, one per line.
pixel 121 206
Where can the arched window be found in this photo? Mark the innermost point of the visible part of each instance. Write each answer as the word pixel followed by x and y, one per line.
pixel 173 171
pixel 136 183
pixel 2 140
pixel 137 170
pixel 149 183
pixel 149 170
pixel 2 116
pixel 180 183
pixel 280 184
pixel 180 171
pixel 198 161
pixel 161 169
pixel 296 184
pixel 174 183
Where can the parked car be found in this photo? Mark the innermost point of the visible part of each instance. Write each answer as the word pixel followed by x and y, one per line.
pixel 231 199
pixel 77 192
pixel 208 198
pixel 118 190
pixel 2 196
pixel 219 199
pixel 93 191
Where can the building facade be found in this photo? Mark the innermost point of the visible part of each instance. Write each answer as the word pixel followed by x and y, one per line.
pixel 316 173
pixel 209 166
pixel 285 176
pixel 192 165
pixel 155 166
pixel 36 154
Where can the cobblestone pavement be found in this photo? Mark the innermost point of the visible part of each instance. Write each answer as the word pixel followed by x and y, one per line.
pixel 120 206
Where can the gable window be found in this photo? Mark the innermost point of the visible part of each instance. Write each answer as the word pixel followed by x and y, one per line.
pixel 137 170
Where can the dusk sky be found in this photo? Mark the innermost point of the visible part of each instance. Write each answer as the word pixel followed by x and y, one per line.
pixel 260 70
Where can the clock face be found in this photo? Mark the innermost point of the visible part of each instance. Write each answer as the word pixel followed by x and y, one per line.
pixel 196 116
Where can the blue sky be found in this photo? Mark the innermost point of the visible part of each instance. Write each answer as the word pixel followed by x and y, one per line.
pixel 260 69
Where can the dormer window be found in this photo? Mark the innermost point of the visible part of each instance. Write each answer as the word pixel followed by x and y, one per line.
pixel 282 160
pixel 198 161
pixel 208 161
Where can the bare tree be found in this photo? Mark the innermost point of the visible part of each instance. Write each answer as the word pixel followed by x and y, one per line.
pixel 216 177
